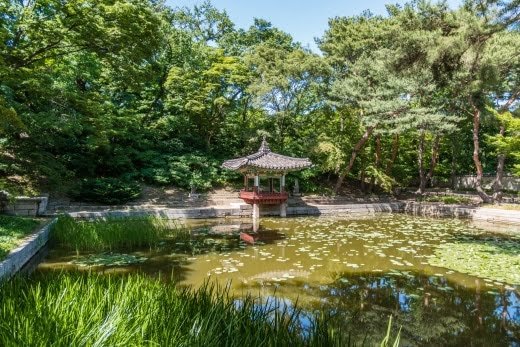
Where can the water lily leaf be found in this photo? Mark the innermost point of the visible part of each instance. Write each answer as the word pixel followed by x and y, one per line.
pixel 108 259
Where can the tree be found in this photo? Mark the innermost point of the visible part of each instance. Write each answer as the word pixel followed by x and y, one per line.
pixel 287 84
pixel 479 23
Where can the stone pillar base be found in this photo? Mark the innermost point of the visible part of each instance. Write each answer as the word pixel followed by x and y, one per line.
pixel 283 209
pixel 256 211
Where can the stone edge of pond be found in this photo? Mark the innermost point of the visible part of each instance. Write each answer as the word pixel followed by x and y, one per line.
pixel 19 256
pixel 409 207
pixel 463 211
pixel 216 212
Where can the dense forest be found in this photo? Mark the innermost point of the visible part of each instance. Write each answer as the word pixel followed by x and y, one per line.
pixel 117 93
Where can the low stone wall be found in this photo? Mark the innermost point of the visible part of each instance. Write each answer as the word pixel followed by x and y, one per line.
pixel 18 257
pixel 26 206
pixel 170 213
pixel 433 209
pixel 511 183
pixel 390 207
pixel 493 215
pixel 245 211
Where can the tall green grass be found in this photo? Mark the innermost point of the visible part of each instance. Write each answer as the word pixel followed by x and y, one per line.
pixel 97 310
pixel 113 233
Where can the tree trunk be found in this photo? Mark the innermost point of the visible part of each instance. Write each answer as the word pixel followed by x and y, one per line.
pixel 395 151
pixel 420 161
pixel 355 152
pixel 497 183
pixel 435 156
pixel 453 165
pixel 476 158
pixel 362 179
pixel 377 160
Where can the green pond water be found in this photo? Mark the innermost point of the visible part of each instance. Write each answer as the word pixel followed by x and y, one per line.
pixel 446 282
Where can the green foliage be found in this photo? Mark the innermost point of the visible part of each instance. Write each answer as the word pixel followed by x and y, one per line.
pixel 447 199
pixel 112 234
pixel 133 88
pixel 509 142
pixel 108 190
pixel 186 171
pixel 135 311
pixel 13 230
pixel 383 180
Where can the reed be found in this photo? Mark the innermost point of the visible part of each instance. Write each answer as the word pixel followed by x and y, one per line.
pixel 113 233
pixel 133 310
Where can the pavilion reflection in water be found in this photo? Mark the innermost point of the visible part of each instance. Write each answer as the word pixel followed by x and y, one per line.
pixel 250 231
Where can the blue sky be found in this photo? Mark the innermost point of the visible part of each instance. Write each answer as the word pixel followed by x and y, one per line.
pixel 303 19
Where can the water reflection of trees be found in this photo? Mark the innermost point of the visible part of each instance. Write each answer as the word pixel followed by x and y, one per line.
pixel 431 310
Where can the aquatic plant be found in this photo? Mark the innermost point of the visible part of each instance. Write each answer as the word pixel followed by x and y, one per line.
pixel 12 230
pixel 491 259
pixel 108 259
pixel 134 310
pixel 113 233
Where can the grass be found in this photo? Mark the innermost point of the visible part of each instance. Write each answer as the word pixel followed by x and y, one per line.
pixel 101 310
pixel 112 234
pixel 13 230
pixel 448 199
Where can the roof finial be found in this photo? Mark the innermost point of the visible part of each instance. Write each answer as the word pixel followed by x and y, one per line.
pixel 264 147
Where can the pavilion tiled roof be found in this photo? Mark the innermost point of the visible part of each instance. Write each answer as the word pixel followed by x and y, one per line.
pixel 264 159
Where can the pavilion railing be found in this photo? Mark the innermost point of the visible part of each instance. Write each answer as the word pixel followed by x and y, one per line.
pixel 263 197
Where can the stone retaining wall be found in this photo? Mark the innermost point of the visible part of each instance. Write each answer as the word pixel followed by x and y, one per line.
pixel 493 215
pixel 511 183
pixel 394 207
pixel 245 211
pixel 26 206
pixel 170 213
pixel 18 257
pixel 433 209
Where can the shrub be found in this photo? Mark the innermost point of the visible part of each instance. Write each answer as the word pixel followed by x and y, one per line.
pixel 108 190
pixel 448 199
pixel 187 171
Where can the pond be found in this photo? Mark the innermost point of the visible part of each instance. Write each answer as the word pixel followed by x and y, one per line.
pixel 446 282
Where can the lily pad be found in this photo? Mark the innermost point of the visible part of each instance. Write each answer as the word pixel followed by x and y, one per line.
pixel 108 259
pixel 497 260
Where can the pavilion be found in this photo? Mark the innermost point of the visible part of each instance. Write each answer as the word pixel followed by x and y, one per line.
pixel 270 166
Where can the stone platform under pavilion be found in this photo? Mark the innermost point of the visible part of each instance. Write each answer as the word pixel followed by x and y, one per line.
pixel 265 165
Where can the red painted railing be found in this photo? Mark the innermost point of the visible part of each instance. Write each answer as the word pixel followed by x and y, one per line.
pixel 264 198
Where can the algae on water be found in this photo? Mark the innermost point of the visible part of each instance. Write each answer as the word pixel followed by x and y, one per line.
pixel 108 259
pixel 497 260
